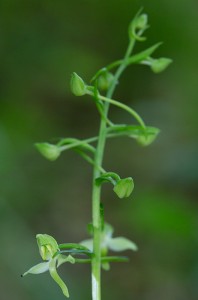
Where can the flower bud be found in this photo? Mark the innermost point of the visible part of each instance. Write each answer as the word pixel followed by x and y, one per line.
pixel 138 25
pixel 145 140
pixel 148 136
pixel 49 151
pixel 124 187
pixel 105 80
pixel 141 22
pixel 160 64
pixel 78 87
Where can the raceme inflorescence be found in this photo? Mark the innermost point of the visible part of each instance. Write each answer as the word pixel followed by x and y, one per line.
pixel 95 251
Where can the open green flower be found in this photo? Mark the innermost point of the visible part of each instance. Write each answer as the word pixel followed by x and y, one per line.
pixel 48 248
pixel 107 242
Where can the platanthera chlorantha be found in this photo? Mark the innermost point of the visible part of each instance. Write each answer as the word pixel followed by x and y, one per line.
pixel 101 89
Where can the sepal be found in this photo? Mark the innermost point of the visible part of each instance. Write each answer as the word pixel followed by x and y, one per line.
pixel 38 269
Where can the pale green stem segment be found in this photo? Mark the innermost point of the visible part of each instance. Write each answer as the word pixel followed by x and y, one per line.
pixel 123 106
pixel 96 261
pixel 76 143
pixel 103 259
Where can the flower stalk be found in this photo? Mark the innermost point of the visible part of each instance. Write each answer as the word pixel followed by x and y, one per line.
pixel 96 249
pixel 96 192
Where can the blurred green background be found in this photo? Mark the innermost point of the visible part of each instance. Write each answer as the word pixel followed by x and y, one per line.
pixel 42 42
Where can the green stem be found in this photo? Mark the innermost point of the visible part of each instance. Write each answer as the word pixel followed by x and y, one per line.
pixel 125 107
pixel 76 143
pixel 103 259
pixel 96 192
pixel 89 160
pixel 72 246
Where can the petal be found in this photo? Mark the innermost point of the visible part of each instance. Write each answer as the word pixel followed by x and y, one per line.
pixel 62 259
pixel 121 244
pixel 88 243
pixel 38 269
pixel 56 277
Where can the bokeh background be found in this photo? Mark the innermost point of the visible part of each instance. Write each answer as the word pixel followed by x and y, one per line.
pixel 42 42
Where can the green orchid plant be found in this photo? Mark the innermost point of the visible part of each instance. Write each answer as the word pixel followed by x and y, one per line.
pixel 101 89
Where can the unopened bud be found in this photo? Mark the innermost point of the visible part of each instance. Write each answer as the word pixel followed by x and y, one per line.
pixel 78 87
pixel 138 26
pixel 124 187
pixel 49 151
pixel 105 80
pixel 160 64
pixel 146 140
pixel 141 22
